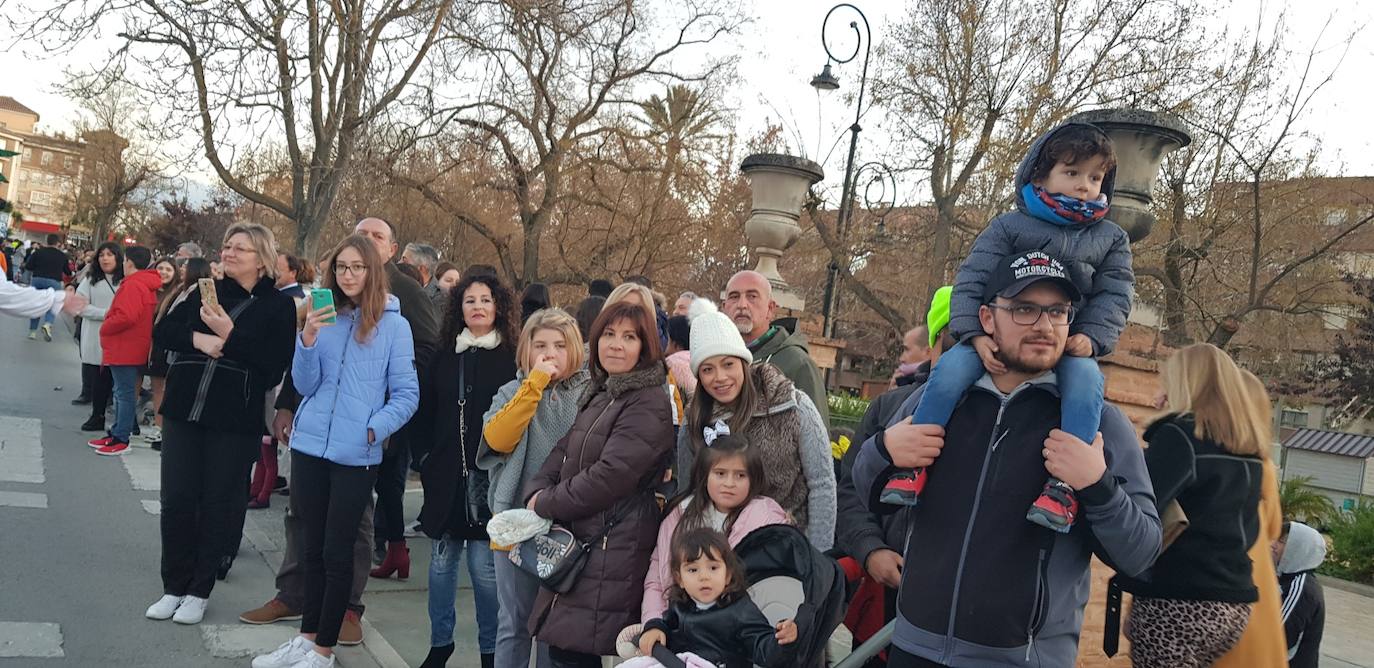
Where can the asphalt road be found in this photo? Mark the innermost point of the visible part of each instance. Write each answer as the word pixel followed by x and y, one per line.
pixel 79 544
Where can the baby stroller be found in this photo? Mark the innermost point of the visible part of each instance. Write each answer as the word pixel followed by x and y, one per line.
pixel 789 579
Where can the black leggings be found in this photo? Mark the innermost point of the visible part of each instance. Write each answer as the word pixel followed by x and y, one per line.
pixel 331 498
pixel 391 489
pixel 102 387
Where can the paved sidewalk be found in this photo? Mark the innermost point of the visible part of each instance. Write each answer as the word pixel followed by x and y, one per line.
pixel 396 622
pixel 1348 641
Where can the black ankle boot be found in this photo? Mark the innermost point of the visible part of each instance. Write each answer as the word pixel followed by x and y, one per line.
pixel 488 661
pixel 438 656
pixel 93 424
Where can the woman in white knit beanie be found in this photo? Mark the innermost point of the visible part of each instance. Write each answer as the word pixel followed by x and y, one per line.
pixel 760 403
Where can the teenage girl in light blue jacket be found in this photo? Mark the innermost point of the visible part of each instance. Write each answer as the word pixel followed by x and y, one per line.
pixel 358 383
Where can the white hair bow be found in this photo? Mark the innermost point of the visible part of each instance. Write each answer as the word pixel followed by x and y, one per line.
pixel 711 433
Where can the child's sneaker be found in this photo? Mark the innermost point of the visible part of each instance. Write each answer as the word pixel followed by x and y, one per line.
pixel 1056 508
pixel 904 489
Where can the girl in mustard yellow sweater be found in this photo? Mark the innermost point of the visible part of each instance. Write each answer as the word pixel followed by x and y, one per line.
pixel 527 418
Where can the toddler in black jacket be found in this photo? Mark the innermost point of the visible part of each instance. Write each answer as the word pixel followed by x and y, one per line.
pixel 711 615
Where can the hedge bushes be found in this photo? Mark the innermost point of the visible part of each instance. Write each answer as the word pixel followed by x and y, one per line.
pixel 1352 545
pixel 846 411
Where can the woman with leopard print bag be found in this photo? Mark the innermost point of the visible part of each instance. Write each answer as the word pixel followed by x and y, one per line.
pixel 1208 454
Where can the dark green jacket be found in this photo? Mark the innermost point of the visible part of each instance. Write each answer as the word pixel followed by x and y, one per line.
pixel 789 352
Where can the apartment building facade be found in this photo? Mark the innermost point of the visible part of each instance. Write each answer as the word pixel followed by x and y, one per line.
pixel 42 179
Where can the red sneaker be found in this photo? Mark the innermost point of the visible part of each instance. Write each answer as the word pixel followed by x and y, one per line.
pixel 101 442
pixel 1056 508
pixel 113 449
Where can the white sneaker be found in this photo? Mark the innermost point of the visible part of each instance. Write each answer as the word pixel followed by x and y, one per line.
pixel 287 655
pixel 313 659
pixel 164 608
pixel 150 434
pixel 191 610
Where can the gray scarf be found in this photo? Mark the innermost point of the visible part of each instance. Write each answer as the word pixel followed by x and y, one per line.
pixel 553 418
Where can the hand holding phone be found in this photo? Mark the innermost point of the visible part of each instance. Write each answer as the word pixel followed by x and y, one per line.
pixel 322 315
pixel 321 298
pixel 208 295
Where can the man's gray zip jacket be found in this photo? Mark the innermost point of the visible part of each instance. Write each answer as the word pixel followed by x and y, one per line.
pixel 982 586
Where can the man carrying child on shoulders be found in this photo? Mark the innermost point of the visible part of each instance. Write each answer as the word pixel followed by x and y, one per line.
pixel 982 585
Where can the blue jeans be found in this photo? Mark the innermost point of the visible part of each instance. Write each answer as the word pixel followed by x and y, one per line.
pixel 516 591
pixel 443 590
pixel 125 400
pixel 1080 390
pixel 40 283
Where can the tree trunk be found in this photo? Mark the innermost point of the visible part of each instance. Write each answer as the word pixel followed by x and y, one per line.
pixel 308 237
pixel 1225 331
pixel 1175 306
pixel 940 245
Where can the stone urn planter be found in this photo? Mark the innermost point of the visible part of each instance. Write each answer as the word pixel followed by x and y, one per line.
pixel 1142 139
pixel 779 183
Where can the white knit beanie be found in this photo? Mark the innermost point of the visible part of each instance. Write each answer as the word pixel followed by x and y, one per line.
pixel 713 333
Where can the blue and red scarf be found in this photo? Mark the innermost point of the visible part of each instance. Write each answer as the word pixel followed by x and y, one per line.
pixel 1063 209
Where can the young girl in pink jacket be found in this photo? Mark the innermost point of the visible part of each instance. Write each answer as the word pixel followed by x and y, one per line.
pixel 723 497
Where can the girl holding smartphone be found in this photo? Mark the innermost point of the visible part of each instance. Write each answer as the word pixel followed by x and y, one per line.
pixel 355 371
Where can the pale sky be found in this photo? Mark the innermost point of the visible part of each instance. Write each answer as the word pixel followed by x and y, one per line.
pixel 781 50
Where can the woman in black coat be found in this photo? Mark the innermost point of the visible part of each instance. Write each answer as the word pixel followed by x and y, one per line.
pixel 476 357
pixel 1208 454
pixel 226 358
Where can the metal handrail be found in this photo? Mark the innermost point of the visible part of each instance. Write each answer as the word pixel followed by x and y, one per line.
pixel 869 649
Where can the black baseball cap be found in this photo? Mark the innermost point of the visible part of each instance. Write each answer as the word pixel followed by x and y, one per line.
pixel 1015 273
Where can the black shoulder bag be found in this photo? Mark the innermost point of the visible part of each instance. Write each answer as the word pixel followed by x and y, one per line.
pixel 476 482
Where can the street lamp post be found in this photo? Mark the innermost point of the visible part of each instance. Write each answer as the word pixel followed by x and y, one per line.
pixel 827 81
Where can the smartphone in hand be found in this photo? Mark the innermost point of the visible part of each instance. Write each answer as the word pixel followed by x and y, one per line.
pixel 320 298
pixel 208 295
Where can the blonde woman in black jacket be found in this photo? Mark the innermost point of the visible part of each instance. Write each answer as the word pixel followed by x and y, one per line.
pixel 1208 454
pixel 227 356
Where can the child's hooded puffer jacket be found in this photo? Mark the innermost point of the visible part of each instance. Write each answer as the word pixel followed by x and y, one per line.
pixel 1098 256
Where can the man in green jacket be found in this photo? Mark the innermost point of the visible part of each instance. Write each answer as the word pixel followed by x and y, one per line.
pixel 749 303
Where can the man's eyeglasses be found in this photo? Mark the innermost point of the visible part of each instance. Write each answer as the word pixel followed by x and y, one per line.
pixel 1028 314
pixel 350 269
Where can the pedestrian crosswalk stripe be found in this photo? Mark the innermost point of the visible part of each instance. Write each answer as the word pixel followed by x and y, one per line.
pixel 31 640
pixel 21 450
pixel 240 640
pixel 23 499
pixel 145 469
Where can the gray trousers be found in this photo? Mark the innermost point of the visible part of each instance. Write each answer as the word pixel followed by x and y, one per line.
pixel 515 591
pixel 291 577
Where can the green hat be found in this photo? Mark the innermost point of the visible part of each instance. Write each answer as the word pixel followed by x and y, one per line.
pixel 937 318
